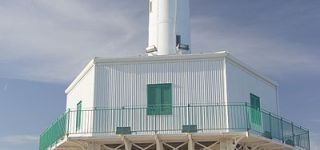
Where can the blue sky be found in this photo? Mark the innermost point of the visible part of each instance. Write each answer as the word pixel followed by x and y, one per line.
pixel 44 44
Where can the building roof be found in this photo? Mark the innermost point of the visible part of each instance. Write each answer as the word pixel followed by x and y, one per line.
pixel 166 58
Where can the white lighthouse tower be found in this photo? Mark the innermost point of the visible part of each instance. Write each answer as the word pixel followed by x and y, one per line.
pixel 169 27
pixel 172 101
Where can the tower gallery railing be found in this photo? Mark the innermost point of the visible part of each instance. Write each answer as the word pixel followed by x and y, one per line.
pixel 171 119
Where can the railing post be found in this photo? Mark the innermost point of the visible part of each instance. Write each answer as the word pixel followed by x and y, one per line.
pixel 281 121
pixel 93 115
pixel 155 122
pixel 247 116
pixel 293 136
pixel 309 146
pixel 270 123
pixel 122 118
pixel 68 123
pixel 189 123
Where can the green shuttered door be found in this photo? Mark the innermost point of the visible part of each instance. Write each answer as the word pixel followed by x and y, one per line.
pixel 159 99
pixel 78 117
pixel 255 112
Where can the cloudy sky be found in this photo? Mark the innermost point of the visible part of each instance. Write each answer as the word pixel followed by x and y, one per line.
pixel 44 44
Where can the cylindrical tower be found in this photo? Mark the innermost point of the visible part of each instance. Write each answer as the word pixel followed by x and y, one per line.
pixel 169 27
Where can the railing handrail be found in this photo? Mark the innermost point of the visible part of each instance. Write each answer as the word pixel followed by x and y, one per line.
pixel 188 105
pixel 54 122
pixel 302 132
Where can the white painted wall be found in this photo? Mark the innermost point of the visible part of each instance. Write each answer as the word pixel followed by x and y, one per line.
pixel 82 91
pixel 241 82
pixel 193 81
pixel 196 79
pixel 125 85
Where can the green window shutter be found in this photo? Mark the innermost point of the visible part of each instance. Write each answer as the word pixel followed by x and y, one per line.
pixel 78 115
pixel 154 99
pixel 255 109
pixel 166 99
pixel 159 99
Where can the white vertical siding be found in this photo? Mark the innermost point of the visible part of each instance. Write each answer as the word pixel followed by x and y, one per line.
pixel 241 82
pixel 121 85
pixel 125 85
pixel 193 81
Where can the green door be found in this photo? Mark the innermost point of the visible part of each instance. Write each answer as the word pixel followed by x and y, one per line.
pixel 78 116
pixel 255 117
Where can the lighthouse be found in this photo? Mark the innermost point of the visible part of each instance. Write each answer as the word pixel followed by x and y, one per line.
pixel 169 27
pixel 172 99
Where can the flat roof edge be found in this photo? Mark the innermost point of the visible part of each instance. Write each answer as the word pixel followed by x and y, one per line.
pixel 160 58
pixel 141 59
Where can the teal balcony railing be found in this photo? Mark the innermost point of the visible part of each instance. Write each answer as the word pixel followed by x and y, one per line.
pixel 206 118
pixel 54 133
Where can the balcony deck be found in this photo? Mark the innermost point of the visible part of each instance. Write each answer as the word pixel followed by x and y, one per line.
pixel 238 120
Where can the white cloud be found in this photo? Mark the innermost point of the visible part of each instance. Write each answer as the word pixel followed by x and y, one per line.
pixel 273 56
pixel 19 139
pixel 52 40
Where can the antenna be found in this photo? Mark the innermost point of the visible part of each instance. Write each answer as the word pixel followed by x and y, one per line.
pixel 169 27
